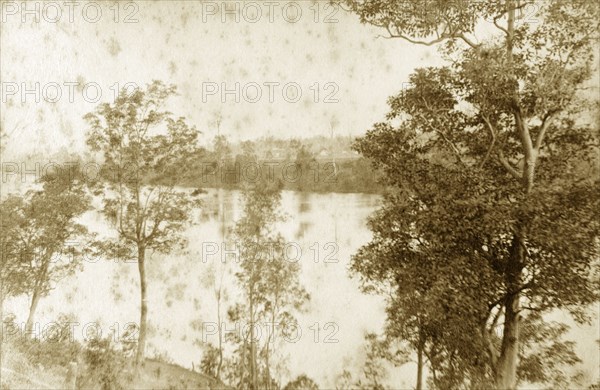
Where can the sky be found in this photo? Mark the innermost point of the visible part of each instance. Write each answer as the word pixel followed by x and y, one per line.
pixel 282 69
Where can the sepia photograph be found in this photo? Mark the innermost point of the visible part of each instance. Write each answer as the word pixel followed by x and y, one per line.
pixel 300 195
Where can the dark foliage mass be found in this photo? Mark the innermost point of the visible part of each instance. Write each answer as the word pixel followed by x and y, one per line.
pixel 491 218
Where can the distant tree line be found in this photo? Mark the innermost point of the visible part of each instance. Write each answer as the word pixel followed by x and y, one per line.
pixel 295 164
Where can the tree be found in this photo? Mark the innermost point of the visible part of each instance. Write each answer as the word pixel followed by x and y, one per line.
pixel 301 382
pixel 236 369
pixel 544 355
pixel 211 360
pixel 246 165
pixel 51 238
pixel 490 164
pixel 378 352
pixel 146 152
pixel 213 280
pixel 305 168
pixel 221 149
pixel 283 295
pixel 269 282
pixel 13 266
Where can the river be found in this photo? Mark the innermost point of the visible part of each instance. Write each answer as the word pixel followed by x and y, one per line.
pixel 323 231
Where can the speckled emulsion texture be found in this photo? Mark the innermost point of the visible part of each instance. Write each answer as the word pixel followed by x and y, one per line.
pixel 246 71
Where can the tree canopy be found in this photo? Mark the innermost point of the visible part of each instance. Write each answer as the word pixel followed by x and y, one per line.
pixel 491 162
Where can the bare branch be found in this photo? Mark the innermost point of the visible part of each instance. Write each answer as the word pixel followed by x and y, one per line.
pixel 523 133
pixel 124 234
pixel 543 127
pixel 531 309
pixel 508 166
pixel 493 353
pixel 468 41
pixel 499 26
pixel 443 136
pixel 416 42
pixel 493 134
pixel 440 37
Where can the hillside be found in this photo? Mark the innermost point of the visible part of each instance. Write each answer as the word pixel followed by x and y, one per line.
pixel 19 373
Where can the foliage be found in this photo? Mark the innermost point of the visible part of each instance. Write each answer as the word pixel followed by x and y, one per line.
pixel 56 347
pixel 301 382
pixel 146 152
pixel 488 163
pixel 105 364
pixel 52 240
pixel 297 164
pixel 544 354
pixel 210 360
pixel 52 213
pixel 270 288
pixel 13 266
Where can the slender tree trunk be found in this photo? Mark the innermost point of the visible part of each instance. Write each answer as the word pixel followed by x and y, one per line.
pixel 35 298
pixel 420 367
pixel 32 309
pixel 252 347
pixel 219 366
pixel 267 370
pixel 268 348
pixel 243 363
pixel 1 327
pixel 220 293
pixel 139 358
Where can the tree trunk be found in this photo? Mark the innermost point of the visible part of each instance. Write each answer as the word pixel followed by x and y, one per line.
pixel 1 328
pixel 70 382
pixel 252 347
pixel 139 358
pixel 506 368
pixel 41 277
pixel 220 365
pixel 268 350
pixel 508 360
pixel 32 309
pixel 267 369
pixel 420 367
pixel 243 363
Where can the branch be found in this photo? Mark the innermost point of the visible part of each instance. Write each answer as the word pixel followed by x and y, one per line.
pixel 488 337
pixel 498 301
pixel 441 133
pixel 416 42
pixel 145 210
pixel 468 41
pixel 543 127
pixel 523 133
pixel 154 230
pixel 493 134
pixel 507 165
pixel 495 21
pixel 127 236
pixel 158 220
pixel 440 37
pixel 531 309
